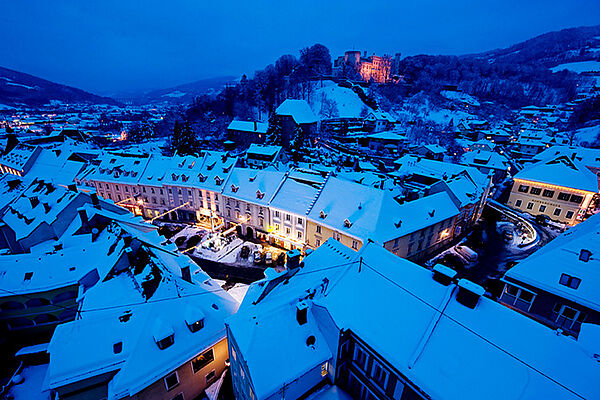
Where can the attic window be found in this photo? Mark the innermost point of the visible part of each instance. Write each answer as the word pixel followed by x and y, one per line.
pixel 234 188
pixel 259 194
pixel 118 347
pixel 201 177
pixel 194 319
pixel 398 224
pixel 211 166
pixel 251 178
pixel 218 180
pixel 585 255
pixel 163 334
pixel 174 176
pixel 166 342
pixel 28 276
pixel 184 178
pixel 569 281
pixel 136 162
pixel 347 223
pixel 322 214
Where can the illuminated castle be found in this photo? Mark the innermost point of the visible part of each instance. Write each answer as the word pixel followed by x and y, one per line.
pixel 374 67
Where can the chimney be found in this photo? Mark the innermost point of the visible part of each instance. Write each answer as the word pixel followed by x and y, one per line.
pixel 72 187
pixel 469 293
pixel 83 216
pixel 302 313
pixel 34 201
pixel 293 259
pixel 95 200
pixel 443 274
pixel 11 142
pixel 185 274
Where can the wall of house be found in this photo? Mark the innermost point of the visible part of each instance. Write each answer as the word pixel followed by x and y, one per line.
pixel 314 239
pixel 420 244
pixel 190 384
pixel 537 204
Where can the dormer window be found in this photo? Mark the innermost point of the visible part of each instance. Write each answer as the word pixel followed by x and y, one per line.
pixel 251 178
pixel 569 281
pixel 585 255
pixel 117 347
pixel 211 166
pixel 194 319
pixel 201 177
pixel 163 334
pixel 174 176
pixel 218 180
pixel 347 223
pixel 259 194
pixel 184 178
pixel 234 188
pixel 322 214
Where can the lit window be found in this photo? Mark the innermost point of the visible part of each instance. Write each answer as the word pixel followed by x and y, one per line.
pixel 203 360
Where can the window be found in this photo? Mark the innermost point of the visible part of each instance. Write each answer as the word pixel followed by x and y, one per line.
pixel 202 360
pixel 576 199
pixel 288 217
pixel 355 245
pixel 518 203
pixel 319 229
pixel 211 377
pixel 116 187
pixel 536 191
pixel 299 235
pixel 276 214
pixel 557 211
pixel 523 188
pixel 143 189
pixel 300 221
pixel 126 189
pixel 569 215
pixel 568 317
pixel 360 358
pixel 379 374
pixel 520 298
pixel 288 231
pixel 119 197
pixel 569 281
pixel 542 208
pixel 196 326
pixel 564 196
pixel 584 256
pixel 166 342
pixel 529 206
pixel 548 193
pixel 178 397
pixel 171 380
pixel 317 242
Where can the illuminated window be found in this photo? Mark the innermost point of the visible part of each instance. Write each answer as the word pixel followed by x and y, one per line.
pixel 202 360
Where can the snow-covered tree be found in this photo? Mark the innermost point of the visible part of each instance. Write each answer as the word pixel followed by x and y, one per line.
pixel 329 108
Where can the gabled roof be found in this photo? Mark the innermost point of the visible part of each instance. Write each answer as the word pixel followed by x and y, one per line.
pixel 544 268
pixel 440 345
pixel 299 110
pixel 561 171
pixel 248 126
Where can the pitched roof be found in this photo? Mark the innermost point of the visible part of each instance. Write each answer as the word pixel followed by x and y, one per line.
pixel 299 110
pixel 561 171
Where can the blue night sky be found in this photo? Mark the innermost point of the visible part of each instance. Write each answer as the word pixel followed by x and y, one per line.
pixel 111 46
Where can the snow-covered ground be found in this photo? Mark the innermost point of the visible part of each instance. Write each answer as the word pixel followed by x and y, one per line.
pixel 579 66
pixel 176 93
pixel 460 96
pixel 348 104
pixel 587 135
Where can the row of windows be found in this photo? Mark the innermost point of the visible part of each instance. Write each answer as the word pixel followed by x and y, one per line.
pixel 563 196
pixel 172 380
pixel 542 208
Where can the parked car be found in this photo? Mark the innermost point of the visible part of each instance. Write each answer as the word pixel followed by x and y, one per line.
pixel 466 252
pixel 245 252
pixel 269 258
pixel 257 257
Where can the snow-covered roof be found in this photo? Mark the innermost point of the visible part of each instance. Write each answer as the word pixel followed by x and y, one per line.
pixel 413 165
pixel 248 126
pixel 253 186
pixel 262 150
pixel 489 159
pixel 544 268
pixel 440 352
pixel 561 171
pixel 123 316
pixel 297 193
pixel 299 110
pixel 589 157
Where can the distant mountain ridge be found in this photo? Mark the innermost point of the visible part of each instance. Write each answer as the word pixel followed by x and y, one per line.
pixel 18 89
pixel 184 93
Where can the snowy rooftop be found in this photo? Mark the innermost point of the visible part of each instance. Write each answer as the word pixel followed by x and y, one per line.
pixel 544 268
pixel 561 171
pixel 19 156
pixel 248 126
pixel 409 165
pixel 263 150
pixel 253 186
pixel 297 192
pixel 119 320
pixel 299 110
pixel 441 352
pixel 489 159
pixel 589 157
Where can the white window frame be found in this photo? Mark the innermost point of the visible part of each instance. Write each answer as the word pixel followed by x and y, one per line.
pixel 174 386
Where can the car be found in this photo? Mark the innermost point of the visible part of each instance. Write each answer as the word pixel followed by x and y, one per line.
pixel 466 252
pixel 257 257
pixel 180 241
pixel 269 258
pixel 508 236
pixel 245 252
pixel 193 241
